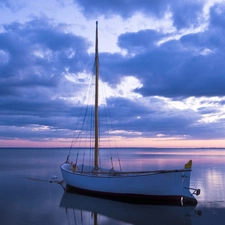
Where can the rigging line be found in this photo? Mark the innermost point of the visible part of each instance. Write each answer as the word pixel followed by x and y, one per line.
pixel 83 123
pixel 78 122
pixel 91 123
pixel 79 134
pixel 99 140
pixel 99 159
pixel 82 129
pixel 74 140
pixel 111 124
pixel 112 163
pixel 83 162
pixel 108 130
pixel 86 125
pixel 116 147
pixel 91 139
pixel 105 118
pixel 106 122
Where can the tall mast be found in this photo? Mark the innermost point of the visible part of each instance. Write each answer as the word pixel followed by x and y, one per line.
pixel 96 98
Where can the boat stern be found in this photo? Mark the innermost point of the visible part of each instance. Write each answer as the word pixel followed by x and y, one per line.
pixel 190 193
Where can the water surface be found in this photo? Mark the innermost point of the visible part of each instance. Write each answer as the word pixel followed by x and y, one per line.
pixel 27 196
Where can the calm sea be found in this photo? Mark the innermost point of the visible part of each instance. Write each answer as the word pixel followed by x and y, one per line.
pixel 27 196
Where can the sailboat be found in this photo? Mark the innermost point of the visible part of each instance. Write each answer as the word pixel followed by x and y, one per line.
pixel 147 187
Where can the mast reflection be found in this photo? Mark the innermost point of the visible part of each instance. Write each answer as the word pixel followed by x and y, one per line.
pixel 92 210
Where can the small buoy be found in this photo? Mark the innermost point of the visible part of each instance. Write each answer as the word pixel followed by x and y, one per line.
pixel 54 177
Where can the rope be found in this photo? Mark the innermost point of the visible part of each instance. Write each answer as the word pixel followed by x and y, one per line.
pixel 112 163
pixel 80 125
pixel 81 129
pixel 108 120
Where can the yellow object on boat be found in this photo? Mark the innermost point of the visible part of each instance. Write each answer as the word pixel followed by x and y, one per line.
pixel 188 165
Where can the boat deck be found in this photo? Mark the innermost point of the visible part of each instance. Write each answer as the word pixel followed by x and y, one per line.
pixel 90 170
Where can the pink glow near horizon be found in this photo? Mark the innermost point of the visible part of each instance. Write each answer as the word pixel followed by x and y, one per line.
pixel 139 142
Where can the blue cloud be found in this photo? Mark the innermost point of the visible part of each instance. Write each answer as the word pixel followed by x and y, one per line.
pixel 36 55
pixel 123 8
pixel 39 54
pixel 184 14
pixel 139 42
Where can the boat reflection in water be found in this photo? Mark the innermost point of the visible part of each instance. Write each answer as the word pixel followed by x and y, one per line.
pixel 89 210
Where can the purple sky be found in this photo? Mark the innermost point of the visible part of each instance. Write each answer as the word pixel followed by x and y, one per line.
pixel 162 62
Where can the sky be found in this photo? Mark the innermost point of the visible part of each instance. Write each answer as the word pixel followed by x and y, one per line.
pixel 162 63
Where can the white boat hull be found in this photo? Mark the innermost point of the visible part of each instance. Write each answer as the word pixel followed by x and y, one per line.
pixel 156 187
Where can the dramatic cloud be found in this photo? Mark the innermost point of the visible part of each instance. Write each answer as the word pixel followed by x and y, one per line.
pixel 184 14
pixel 162 64
pixel 36 56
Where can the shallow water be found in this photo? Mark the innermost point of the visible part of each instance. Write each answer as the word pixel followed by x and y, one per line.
pixel 27 196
